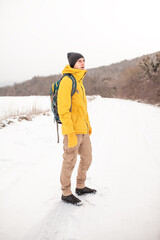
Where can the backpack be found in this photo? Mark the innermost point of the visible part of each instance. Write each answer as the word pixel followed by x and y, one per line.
pixel 53 97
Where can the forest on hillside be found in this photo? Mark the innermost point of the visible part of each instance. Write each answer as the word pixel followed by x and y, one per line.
pixel 137 79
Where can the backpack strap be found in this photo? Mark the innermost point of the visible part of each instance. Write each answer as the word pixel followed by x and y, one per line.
pixel 74 83
pixel 57 132
pixel 74 89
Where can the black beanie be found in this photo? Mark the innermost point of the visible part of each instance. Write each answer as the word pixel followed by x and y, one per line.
pixel 73 58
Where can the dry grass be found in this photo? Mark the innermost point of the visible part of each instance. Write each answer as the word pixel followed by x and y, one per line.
pixel 16 113
pixel 20 116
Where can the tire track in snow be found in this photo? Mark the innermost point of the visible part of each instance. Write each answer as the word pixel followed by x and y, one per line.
pixel 61 223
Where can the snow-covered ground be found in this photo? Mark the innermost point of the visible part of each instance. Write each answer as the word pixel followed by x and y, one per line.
pixel 15 106
pixel 125 171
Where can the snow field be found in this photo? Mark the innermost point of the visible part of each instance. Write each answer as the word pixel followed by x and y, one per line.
pixel 15 106
pixel 125 171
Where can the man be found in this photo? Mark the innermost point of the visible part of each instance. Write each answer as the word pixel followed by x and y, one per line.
pixel 75 128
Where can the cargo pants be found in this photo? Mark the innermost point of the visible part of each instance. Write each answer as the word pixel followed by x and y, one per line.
pixel 84 149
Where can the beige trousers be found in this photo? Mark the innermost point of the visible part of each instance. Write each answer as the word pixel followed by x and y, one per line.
pixel 84 149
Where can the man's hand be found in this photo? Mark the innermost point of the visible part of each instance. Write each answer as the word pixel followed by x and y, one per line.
pixel 72 140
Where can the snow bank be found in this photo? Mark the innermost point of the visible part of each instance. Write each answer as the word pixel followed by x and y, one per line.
pixel 15 106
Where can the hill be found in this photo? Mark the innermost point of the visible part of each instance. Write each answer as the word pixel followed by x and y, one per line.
pixel 136 79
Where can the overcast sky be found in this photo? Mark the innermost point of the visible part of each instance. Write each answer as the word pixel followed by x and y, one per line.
pixel 37 34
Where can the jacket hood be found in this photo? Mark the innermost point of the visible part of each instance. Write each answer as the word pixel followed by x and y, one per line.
pixel 77 73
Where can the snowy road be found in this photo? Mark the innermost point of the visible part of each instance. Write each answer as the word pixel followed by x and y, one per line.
pixel 125 171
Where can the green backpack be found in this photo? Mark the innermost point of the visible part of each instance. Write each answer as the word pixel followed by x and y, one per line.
pixel 53 97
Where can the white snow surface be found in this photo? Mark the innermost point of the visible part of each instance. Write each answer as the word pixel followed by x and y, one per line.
pixel 15 106
pixel 125 171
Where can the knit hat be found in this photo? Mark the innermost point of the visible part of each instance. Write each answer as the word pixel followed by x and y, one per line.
pixel 73 58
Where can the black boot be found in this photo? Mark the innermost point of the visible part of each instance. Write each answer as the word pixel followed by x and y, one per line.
pixel 85 190
pixel 71 199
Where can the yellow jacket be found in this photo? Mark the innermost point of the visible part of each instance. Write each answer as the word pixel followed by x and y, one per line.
pixel 77 120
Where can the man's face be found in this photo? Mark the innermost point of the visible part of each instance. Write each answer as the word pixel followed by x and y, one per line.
pixel 80 64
